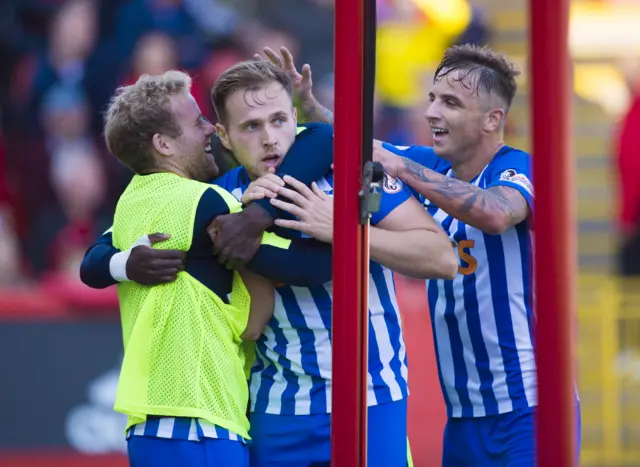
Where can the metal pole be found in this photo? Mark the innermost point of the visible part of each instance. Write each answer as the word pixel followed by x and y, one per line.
pixel 551 102
pixel 350 246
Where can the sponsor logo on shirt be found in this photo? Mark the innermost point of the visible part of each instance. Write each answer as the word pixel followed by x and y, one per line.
pixel 511 176
pixel 391 185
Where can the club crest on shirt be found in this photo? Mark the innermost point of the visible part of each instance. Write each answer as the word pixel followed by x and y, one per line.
pixel 512 176
pixel 391 185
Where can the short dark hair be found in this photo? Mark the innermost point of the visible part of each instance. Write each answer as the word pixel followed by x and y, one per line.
pixel 492 71
pixel 249 75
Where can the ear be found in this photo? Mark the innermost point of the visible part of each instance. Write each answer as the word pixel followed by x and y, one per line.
pixel 493 120
pixel 295 116
pixel 223 135
pixel 162 145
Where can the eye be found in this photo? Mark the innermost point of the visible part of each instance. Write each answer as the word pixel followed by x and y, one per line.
pixel 251 126
pixel 280 121
pixel 451 103
pixel 202 120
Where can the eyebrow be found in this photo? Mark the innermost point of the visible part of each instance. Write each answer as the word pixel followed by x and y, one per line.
pixel 448 95
pixel 279 113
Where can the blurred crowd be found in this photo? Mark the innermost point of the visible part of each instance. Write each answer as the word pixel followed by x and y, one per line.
pixel 62 60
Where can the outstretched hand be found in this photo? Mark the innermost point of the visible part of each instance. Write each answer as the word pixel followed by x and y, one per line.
pixel 302 81
pixel 312 207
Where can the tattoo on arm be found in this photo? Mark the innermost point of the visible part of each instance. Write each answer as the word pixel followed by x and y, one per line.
pixel 318 113
pixel 468 198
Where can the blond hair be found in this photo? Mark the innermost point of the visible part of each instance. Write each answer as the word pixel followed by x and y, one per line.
pixel 137 112
pixel 247 75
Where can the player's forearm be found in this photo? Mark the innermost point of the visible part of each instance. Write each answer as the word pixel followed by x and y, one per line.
pixel 94 269
pixel 301 263
pixel 313 111
pixel 422 254
pixel 262 304
pixel 477 207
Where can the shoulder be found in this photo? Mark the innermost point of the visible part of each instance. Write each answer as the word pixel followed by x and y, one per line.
pixel 510 162
pixel 315 127
pixel 232 179
pixel 507 153
pixel 315 130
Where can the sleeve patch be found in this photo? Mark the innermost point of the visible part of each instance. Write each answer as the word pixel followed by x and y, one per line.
pixel 391 185
pixel 519 179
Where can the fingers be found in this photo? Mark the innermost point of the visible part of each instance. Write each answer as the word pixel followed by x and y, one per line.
pixel 249 197
pixel 306 74
pixel 288 59
pixel 170 255
pixel 167 265
pixel 299 186
pixel 273 178
pixel 151 254
pixel 297 198
pixel 292 225
pixel 318 192
pixel 258 58
pixel 169 278
pixel 158 237
pixel 273 57
pixel 269 182
pixel 256 193
pixel 288 207
pixel 213 235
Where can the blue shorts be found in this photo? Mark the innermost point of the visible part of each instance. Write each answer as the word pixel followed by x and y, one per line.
pixel 147 451
pixel 498 440
pixel 305 440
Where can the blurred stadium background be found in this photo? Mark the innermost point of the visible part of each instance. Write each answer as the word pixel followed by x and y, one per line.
pixel 60 343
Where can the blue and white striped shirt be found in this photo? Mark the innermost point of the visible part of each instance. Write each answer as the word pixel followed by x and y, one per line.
pixel 182 428
pixel 483 319
pixel 292 373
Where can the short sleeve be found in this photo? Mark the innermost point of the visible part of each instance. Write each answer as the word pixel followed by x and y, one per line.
pixel 513 169
pixel 394 193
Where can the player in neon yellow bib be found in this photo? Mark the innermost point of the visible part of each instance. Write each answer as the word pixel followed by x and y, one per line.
pixel 185 360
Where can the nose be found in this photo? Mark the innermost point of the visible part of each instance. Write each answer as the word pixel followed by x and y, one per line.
pixel 433 111
pixel 210 129
pixel 269 138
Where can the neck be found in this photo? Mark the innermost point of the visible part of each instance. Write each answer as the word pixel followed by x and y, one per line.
pixel 476 161
pixel 167 169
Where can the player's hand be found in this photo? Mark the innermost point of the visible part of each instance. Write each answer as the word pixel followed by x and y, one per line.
pixel 312 207
pixel 265 186
pixel 236 237
pixel 149 266
pixel 391 162
pixel 302 82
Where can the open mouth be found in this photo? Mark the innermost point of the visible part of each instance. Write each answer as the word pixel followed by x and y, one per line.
pixel 438 134
pixel 207 148
pixel 271 160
